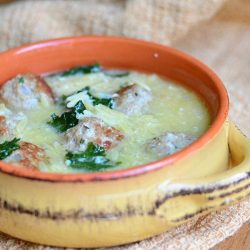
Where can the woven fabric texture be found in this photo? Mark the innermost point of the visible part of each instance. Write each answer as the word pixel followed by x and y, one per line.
pixel 160 20
pixel 222 43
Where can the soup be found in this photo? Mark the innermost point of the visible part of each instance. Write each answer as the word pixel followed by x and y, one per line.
pixel 89 119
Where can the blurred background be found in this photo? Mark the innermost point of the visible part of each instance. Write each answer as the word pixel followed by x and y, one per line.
pixel 215 31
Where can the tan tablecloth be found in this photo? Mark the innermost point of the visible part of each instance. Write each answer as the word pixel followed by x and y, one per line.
pixel 223 43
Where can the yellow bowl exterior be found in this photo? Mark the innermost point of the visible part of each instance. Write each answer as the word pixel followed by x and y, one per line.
pixel 113 212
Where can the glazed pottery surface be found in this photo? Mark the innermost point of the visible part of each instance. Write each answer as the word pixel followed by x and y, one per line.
pixel 111 208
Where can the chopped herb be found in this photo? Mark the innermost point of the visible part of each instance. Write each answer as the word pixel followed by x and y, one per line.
pixel 95 68
pixel 62 100
pixel 116 73
pixel 21 80
pixel 93 150
pixel 92 159
pixel 67 119
pixel 8 147
pixel 64 97
pixel 109 102
pixel 79 107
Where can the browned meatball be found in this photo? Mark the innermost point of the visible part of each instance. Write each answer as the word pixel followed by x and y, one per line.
pixel 25 92
pixel 169 143
pixel 3 125
pixel 92 129
pixel 132 99
pixel 29 155
pixel 9 121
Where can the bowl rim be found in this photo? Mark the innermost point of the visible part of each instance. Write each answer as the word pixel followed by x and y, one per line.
pixel 139 169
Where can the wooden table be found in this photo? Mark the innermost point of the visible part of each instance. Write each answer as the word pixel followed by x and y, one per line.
pixel 239 241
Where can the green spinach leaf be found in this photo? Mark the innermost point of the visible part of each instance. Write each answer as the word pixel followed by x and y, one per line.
pixel 92 159
pixel 68 119
pixel 21 80
pixel 8 147
pixel 87 69
pixel 109 102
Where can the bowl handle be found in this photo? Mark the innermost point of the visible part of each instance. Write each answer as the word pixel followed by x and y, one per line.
pixel 186 200
pixel 239 146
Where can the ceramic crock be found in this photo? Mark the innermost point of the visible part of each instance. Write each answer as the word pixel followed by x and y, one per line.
pixel 118 207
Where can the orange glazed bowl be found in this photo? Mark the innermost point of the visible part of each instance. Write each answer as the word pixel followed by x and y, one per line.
pixel 117 207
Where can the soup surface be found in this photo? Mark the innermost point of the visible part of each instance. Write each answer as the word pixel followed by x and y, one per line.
pixel 90 119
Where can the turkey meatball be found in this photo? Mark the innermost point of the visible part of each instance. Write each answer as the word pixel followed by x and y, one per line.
pixel 9 121
pixel 28 155
pixel 92 129
pixel 25 92
pixel 132 99
pixel 169 143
